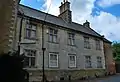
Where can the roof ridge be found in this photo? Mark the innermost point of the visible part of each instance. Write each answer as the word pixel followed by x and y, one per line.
pixel 77 23
pixel 88 29
pixel 94 31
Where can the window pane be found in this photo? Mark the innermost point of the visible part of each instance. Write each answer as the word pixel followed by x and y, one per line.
pixel 73 36
pixel 54 38
pixel 97 45
pixel 33 52
pixel 55 57
pixel 53 60
pixel 72 61
pixel 30 58
pixel 69 35
pixel 34 27
pixel 27 33
pixel 53 35
pixel 88 62
pixel 32 61
pixel 86 43
pixel 99 62
pixel 33 34
pixel 72 58
pixel 28 53
pixel 51 31
pixel 27 26
pixel 26 62
pixel 71 39
pixel 51 56
pixel 51 38
pixel 73 42
pixel 55 32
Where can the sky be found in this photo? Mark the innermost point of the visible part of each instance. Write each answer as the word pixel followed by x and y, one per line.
pixel 103 15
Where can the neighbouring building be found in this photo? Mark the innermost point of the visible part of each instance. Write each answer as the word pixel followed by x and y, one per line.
pixel 109 62
pixel 8 14
pixel 71 48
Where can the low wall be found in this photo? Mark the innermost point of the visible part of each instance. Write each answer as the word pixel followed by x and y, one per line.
pixel 57 74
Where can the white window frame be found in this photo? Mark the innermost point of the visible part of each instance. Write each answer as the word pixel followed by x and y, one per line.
pixel 33 56
pixel 71 38
pixel 50 60
pixel 87 42
pixel 30 29
pixel 71 66
pixel 52 36
pixel 88 62
pixel 98 47
pixel 99 62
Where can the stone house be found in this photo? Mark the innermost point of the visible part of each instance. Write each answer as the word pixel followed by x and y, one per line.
pixel 71 48
pixel 8 16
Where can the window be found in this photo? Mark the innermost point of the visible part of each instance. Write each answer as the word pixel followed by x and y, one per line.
pixel 53 60
pixel 71 39
pixel 31 31
pixel 88 62
pixel 72 60
pixel 99 62
pixel 98 45
pixel 86 43
pixel 30 58
pixel 53 35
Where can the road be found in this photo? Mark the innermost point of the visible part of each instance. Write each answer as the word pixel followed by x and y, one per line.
pixel 115 78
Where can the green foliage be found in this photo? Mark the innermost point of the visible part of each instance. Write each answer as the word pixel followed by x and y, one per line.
pixel 116 51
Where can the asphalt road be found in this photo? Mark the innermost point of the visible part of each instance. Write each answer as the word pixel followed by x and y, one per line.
pixel 115 78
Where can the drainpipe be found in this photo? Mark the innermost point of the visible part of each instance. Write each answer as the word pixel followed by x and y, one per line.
pixel 20 33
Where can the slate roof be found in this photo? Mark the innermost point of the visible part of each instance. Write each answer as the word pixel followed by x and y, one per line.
pixel 39 15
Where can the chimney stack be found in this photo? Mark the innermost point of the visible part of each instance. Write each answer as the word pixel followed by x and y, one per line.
pixel 86 24
pixel 65 12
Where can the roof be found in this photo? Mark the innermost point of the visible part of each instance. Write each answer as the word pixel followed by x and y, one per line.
pixel 107 41
pixel 39 15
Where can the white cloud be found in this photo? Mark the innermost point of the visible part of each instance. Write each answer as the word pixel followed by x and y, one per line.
pixel 106 23
pixel 108 3
pixel 82 9
pixel 54 6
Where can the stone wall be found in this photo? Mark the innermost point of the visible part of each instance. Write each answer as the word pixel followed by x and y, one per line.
pixel 61 47
pixel 7 21
pixel 55 75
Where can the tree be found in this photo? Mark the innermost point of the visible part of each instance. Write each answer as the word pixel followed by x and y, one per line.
pixel 11 68
pixel 116 51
